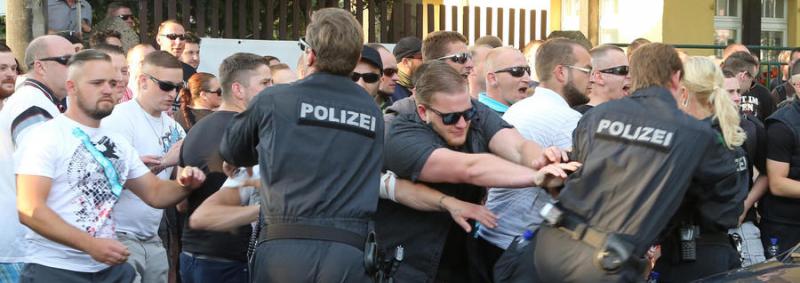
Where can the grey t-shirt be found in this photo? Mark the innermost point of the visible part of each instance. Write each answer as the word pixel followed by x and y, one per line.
pixel 61 17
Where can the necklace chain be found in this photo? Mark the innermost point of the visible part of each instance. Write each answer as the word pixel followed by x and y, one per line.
pixel 161 122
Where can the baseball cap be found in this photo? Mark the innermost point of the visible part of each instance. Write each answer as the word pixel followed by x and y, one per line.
pixel 371 56
pixel 407 47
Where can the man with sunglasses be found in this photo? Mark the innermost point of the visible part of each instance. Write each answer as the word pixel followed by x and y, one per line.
pixel 38 98
pixel 449 47
pixel 368 71
pixel 459 147
pixel 609 78
pixel 157 138
pixel 120 10
pixel 506 80
pixel 408 54
pixel 389 78
pixel 209 256
pixel 756 99
pixel 172 37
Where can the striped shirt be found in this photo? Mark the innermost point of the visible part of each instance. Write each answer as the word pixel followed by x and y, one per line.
pixel 546 119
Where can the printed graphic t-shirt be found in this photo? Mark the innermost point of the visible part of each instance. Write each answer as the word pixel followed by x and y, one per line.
pixel 80 194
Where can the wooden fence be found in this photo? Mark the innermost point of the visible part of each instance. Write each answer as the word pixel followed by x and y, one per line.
pixel 386 20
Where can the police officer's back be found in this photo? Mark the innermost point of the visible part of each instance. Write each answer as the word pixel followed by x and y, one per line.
pixel 639 155
pixel 319 144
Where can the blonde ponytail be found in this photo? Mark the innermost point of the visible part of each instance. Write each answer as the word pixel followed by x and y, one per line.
pixel 703 80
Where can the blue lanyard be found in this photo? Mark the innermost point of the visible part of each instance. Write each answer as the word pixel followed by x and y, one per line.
pixel 108 167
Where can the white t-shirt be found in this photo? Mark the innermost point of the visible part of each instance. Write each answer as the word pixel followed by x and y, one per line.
pixel 247 195
pixel 28 107
pixel 150 136
pixel 80 194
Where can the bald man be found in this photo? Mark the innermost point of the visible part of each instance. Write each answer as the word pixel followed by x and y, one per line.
pixel 172 37
pixel 135 57
pixel 477 79
pixel 507 77
pixel 733 48
pixel 609 78
pixel 38 99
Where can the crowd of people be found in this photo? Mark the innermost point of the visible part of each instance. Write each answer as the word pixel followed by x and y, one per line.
pixel 435 161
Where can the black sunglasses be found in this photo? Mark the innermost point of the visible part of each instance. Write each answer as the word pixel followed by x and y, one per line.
pixel 515 71
pixel 174 36
pixel 618 70
pixel 166 86
pixel 218 92
pixel 389 72
pixel 125 17
pixel 368 77
pixel 454 117
pixel 459 58
pixel 63 59
pixel 303 44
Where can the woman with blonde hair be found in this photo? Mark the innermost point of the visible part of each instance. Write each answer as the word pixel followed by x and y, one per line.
pixel 202 96
pixel 703 97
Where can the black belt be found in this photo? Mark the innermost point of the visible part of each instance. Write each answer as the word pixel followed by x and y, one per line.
pixel 283 231
pixel 580 231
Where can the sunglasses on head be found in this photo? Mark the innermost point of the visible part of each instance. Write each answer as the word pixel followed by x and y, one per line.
pixel 166 86
pixel 453 117
pixel 174 36
pixel 389 72
pixel 459 58
pixel 516 71
pixel 368 77
pixel 63 59
pixel 303 44
pixel 218 92
pixel 125 17
pixel 618 70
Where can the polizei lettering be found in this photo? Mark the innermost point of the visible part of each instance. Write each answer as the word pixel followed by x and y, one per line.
pixel 333 117
pixel 661 138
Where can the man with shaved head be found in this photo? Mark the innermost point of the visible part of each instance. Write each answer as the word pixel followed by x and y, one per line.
pixel 38 99
pixel 477 79
pixel 609 78
pixel 135 57
pixel 506 79
pixel 733 48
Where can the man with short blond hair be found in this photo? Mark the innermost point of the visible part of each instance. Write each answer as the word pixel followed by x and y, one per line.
pixel 609 78
pixel 507 77
pixel 449 47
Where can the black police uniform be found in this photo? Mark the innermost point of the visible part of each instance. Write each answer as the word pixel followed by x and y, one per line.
pixel 319 142
pixel 714 208
pixel 639 155
pixel 779 214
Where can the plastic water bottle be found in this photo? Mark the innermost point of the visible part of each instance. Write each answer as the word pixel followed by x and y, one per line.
pixel 772 249
pixel 653 278
pixel 525 239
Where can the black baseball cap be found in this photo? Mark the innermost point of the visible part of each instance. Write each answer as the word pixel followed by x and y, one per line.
pixel 371 56
pixel 407 47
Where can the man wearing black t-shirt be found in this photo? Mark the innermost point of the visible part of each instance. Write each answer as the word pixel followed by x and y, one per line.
pixel 778 208
pixel 458 146
pixel 756 99
pixel 219 256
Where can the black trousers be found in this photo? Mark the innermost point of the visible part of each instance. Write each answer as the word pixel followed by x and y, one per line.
pixel 712 257
pixel 36 273
pixel 309 261
pixel 788 235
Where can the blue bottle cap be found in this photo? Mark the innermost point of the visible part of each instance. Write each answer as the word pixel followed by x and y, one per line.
pixel 655 275
pixel 773 240
pixel 528 234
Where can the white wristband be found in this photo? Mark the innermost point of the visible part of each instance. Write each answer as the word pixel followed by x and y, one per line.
pixel 387 189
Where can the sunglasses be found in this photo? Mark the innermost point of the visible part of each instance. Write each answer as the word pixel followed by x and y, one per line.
pixel 125 17
pixel 63 59
pixel 368 77
pixel 582 69
pixel 459 58
pixel 516 72
pixel 303 44
pixel 218 92
pixel 174 36
pixel 618 70
pixel 389 72
pixel 166 86
pixel 453 117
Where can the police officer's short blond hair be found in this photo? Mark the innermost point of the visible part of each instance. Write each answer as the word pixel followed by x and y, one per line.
pixel 336 39
pixel 653 65
pixel 437 77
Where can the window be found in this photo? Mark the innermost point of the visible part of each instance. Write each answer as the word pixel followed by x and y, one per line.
pixel 570 15
pixel 727 8
pixel 773 27
pixel 727 23
pixel 622 21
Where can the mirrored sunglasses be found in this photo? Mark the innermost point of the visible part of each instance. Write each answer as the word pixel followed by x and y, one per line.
pixel 516 72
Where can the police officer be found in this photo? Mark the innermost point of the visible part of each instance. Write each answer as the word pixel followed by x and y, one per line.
pixel 696 243
pixel 639 155
pixel 319 143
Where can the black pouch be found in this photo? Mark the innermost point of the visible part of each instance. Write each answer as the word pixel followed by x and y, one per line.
pixel 614 253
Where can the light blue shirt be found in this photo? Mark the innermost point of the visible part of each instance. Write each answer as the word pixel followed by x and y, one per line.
pixel 545 118
pixel 495 105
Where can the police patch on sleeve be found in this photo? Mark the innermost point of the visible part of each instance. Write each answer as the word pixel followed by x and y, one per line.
pixel 337 117
pixel 660 138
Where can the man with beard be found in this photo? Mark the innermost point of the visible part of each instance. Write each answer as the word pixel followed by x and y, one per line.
pixel 609 78
pixel 389 78
pixel 506 80
pixel 408 54
pixel 545 118
pixel 38 99
pixel 8 73
pixel 70 174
